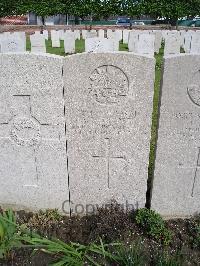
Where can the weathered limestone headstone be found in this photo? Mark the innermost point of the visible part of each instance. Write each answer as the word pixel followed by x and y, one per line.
pixel 55 38
pixel 77 34
pixel 176 186
pixel 195 44
pixel 172 44
pixel 108 103
pixel 61 34
pixel 101 34
pixel 133 41
pixel 37 43
pixel 99 45
pixel 33 156
pixel 187 42
pixel 91 34
pixel 158 40
pixel 110 33
pixel 125 36
pixel 84 34
pixel 46 34
pixel 145 44
pixel 69 42
pixel 13 42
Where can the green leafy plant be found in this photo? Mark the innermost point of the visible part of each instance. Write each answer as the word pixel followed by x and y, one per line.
pixel 130 256
pixel 9 234
pixel 154 225
pixel 165 259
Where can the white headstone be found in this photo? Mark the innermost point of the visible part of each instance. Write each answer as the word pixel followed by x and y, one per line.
pixel 176 185
pixel 172 44
pixel 133 41
pixel 33 155
pixel 145 44
pixel 69 42
pixel 15 42
pixel 101 34
pixel 38 43
pixel 108 103
pixel 55 38
pixel 99 45
pixel 187 42
pixel 195 44
pixel 91 34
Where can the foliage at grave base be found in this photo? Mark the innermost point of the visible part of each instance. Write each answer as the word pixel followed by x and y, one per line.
pixel 154 225
pixel 9 234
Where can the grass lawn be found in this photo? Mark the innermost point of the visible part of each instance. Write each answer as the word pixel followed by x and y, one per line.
pixel 80 47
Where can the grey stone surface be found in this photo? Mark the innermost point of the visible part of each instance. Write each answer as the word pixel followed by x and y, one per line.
pixel 33 160
pixel 69 42
pixel 55 38
pixel 176 187
pixel 172 43
pixel 38 43
pixel 108 103
pixel 133 41
pixel 145 44
pixel 13 42
pixel 99 45
pixel 195 44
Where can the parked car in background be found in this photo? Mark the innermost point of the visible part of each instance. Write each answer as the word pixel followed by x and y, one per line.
pixel 123 22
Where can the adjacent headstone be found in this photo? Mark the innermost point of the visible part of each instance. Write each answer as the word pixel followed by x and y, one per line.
pixel 158 40
pixel 176 187
pixel 84 34
pixel 187 42
pixel 108 102
pixel 77 34
pixel 14 42
pixel 98 45
pixel 133 41
pixel 33 155
pixel 46 34
pixel 172 44
pixel 91 34
pixel 61 34
pixel 38 43
pixel 125 36
pixel 145 44
pixel 195 44
pixel 101 34
pixel 55 38
pixel 69 42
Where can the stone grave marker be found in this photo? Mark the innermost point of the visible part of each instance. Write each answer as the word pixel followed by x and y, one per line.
pixel 69 42
pixel 172 43
pixel 145 44
pixel 13 42
pixel 176 186
pixel 98 45
pixel 37 43
pixel 101 34
pixel 108 103
pixel 133 41
pixel 195 44
pixel 91 34
pixel 55 38
pixel 32 133
pixel 187 42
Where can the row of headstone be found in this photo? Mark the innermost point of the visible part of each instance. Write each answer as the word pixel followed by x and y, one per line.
pixel 140 42
pixel 75 132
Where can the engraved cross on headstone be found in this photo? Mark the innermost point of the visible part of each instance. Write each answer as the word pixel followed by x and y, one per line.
pixel 23 129
pixel 108 158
